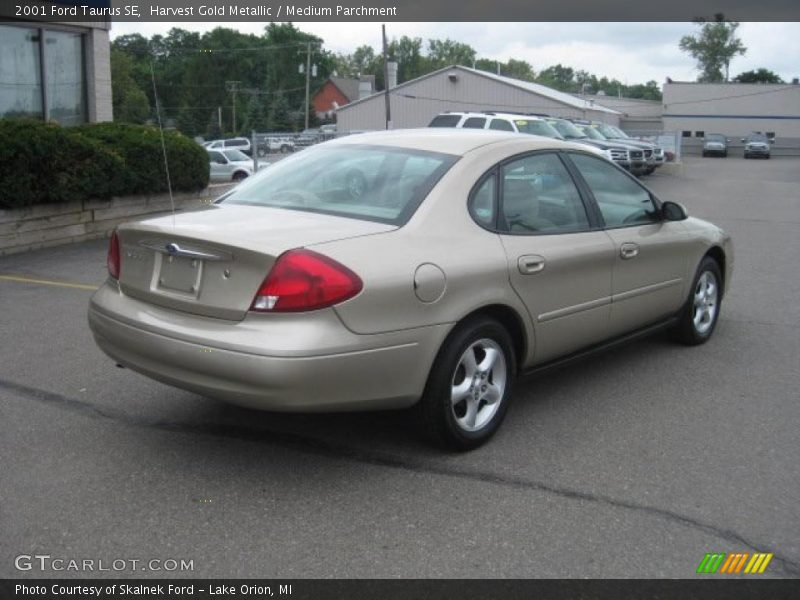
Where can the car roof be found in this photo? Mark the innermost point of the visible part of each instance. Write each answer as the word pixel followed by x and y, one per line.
pixel 492 113
pixel 448 140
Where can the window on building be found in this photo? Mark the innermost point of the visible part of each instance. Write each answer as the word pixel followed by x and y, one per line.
pixel 64 81
pixel 686 134
pixel 42 74
pixel 20 73
pixel 699 134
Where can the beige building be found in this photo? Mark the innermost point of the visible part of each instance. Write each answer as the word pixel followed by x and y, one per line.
pixel 733 109
pixel 637 114
pixel 414 103
pixel 56 71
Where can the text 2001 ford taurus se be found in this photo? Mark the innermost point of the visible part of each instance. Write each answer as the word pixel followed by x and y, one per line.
pixel 383 270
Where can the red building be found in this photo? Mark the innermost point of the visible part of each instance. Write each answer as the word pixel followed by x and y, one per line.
pixel 338 91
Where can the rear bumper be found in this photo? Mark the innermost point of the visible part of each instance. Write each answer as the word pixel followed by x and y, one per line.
pixel 271 362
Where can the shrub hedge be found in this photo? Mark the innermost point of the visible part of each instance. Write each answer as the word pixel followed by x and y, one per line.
pixel 46 163
pixel 140 148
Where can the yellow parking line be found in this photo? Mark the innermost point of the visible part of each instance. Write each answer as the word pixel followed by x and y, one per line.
pixel 77 286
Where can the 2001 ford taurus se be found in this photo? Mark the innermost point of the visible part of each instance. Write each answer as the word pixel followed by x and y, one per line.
pixel 421 267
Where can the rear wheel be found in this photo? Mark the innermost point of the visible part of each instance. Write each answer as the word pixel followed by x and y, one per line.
pixel 468 390
pixel 239 176
pixel 699 316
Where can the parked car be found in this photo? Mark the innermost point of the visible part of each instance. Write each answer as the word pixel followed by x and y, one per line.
pixel 756 144
pixel 626 156
pixel 716 144
pixel 498 121
pixel 470 257
pixel 653 154
pixel 635 155
pixel 271 144
pixel 241 144
pixel 307 138
pixel 230 165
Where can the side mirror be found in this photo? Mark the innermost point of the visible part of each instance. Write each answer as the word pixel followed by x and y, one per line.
pixel 672 211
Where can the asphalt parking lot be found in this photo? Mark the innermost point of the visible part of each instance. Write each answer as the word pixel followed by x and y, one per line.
pixel 633 463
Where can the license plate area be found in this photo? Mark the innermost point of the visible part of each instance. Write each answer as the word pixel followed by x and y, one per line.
pixel 178 275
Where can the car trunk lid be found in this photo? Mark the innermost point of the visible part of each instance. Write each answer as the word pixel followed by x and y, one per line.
pixel 212 262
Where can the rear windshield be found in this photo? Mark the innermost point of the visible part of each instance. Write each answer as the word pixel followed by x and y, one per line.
pixel 715 137
pixel 236 155
pixel 373 183
pixel 445 121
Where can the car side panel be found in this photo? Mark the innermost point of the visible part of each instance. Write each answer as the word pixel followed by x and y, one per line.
pixel 652 284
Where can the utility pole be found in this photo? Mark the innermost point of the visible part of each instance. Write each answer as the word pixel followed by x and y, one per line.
pixel 386 79
pixel 232 87
pixel 308 76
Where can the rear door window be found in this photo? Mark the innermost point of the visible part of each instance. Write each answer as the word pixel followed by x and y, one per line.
pixel 539 196
pixel 445 121
pixel 501 125
pixel 474 123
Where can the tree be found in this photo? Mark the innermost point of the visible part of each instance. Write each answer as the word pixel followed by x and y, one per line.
pixel 255 117
pixel 714 47
pixel 129 102
pixel 408 54
pixel 442 53
pixel 760 76
pixel 558 77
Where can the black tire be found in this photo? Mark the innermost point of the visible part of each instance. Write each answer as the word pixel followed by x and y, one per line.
pixel 285 149
pixel 239 176
pixel 262 152
pixel 688 331
pixel 439 417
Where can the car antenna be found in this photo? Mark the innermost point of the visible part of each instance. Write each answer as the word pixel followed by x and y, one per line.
pixel 163 144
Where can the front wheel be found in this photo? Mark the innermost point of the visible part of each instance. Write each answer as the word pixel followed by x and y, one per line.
pixel 468 389
pixel 699 317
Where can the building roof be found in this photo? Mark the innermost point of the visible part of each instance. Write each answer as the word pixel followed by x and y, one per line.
pixel 543 90
pixel 535 88
pixel 348 86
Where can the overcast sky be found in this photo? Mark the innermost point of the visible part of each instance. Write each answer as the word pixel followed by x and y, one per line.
pixel 630 52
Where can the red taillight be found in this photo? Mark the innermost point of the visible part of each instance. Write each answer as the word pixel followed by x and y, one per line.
pixel 304 280
pixel 113 256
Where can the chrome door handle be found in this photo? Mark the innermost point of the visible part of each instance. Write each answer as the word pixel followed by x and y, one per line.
pixel 628 250
pixel 531 263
